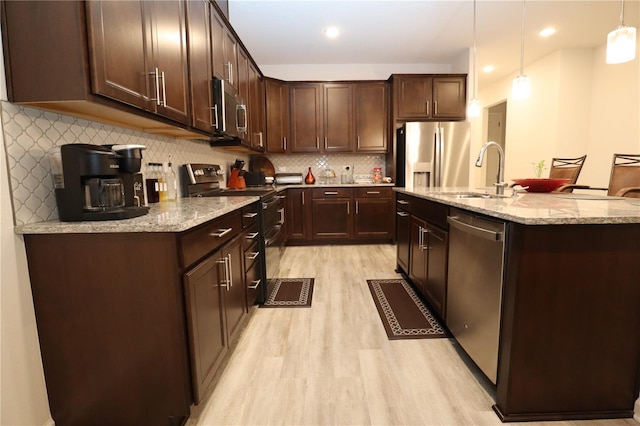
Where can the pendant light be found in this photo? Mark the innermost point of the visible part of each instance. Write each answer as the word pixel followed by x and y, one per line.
pixel 473 108
pixel 621 42
pixel 521 84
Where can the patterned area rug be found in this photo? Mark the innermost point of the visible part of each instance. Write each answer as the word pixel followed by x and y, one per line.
pixel 403 314
pixel 289 293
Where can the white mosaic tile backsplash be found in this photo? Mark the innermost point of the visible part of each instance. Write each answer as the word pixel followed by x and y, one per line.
pixel 30 133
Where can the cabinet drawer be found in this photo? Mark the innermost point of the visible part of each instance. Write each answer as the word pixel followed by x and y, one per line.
pixel 208 237
pixel 254 282
pixel 404 202
pixel 332 193
pixel 251 255
pixel 373 192
pixel 430 211
pixel 251 236
pixel 250 215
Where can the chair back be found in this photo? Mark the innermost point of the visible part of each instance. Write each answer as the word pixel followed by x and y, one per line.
pixel 625 173
pixel 567 168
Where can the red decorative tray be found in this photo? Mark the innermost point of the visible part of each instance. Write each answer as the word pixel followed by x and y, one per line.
pixel 541 184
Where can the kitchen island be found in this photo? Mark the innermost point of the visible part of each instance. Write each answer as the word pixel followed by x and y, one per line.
pixel 567 312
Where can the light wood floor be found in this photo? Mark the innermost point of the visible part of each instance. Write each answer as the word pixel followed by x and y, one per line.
pixel 332 364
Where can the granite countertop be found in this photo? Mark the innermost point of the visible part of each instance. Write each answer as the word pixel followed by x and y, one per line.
pixel 175 216
pixel 335 185
pixel 539 209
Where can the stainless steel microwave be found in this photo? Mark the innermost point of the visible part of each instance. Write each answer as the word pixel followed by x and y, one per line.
pixel 229 112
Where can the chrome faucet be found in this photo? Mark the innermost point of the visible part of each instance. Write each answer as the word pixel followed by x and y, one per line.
pixel 500 184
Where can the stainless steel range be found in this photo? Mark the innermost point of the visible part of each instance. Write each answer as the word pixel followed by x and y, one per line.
pixel 203 180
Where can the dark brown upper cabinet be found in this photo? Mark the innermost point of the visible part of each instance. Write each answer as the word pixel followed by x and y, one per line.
pixel 305 102
pixel 338 117
pixel 256 108
pixel 200 65
pixel 277 115
pixel 139 53
pixel 371 114
pixel 427 97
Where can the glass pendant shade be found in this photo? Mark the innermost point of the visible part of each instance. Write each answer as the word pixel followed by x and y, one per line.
pixel 521 87
pixel 473 108
pixel 621 45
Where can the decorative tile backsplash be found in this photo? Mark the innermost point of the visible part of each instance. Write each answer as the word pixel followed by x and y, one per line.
pixel 30 133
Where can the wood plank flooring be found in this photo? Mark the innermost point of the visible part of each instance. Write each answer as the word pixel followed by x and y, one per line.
pixel 332 364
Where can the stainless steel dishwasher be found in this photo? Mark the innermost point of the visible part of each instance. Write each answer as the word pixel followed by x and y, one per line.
pixel 474 292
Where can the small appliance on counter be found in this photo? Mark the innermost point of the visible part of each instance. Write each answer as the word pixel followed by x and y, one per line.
pixel 288 178
pixel 94 182
pixel 236 177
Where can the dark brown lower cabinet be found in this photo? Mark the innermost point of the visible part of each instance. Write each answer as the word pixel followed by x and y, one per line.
pixel 373 213
pixel 111 324
pixel 418 257
pixel 332 217
pixel 435 290
pixel 216 305
pixel 403 238
pixel 299 217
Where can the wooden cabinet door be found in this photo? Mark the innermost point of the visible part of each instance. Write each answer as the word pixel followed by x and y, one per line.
pixel 418 257
pixel 403 233
pixel 235 295
pixel 169 41
pixel 256 108
pixel 338 117
pixel 277 112
pixel 299 214
pixel 332 218
pixel 230 49
pixel 200 61
pixel 205 320
pixel 436 285
pixel 217 45
pixel 449 97
pixel 373 218
pixel 117 46
pixel 371 111
pixel 306 116
pixel 413 97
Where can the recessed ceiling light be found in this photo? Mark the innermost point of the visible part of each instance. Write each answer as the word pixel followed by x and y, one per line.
pixel 546 32
pixel 332 32
pixel 488 68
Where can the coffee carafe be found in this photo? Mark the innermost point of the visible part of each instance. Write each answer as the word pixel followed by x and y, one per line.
pixel 94 182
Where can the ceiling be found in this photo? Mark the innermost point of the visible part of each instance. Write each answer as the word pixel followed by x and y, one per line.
pixel 281 32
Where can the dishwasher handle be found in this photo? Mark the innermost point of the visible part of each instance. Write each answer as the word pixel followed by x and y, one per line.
pixel 487 234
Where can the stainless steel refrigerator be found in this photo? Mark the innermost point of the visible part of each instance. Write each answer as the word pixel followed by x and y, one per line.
pixel 433 154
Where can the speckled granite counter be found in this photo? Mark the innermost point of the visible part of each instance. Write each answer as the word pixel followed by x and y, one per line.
pixel 176 216
pixel 539 209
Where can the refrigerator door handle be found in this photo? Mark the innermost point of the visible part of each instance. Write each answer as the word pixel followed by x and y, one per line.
pixel 437 166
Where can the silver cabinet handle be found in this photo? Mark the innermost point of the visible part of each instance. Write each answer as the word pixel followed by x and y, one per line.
pixel 357 210
pixel 435 107
pixel 164 91
pixel 326 142
pixel 250 215
pixel 252 235
pixel 358 142
pixel 221 232
pixel 302 193
pixel 402 214
pixel 317 143
pixel 157 81
pixel 403 202
pixel 254 285
pixel 224 282
pixel 230 72
pixel 284 143
pixel 348 207
pixel 330 192
pixel 427 107
pixel 253 255
pixel 281 212
pixel 261 143
pixel 424 246
pixel 230 271
pixel 373 192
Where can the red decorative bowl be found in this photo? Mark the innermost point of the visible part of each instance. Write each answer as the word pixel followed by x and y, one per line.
pixel 541 184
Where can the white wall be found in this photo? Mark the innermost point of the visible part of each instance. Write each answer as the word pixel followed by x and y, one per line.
pixel 23 396
pixel 578 105
pixel 335 72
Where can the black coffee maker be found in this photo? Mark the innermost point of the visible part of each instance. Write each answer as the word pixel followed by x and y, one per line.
pixel 94 182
